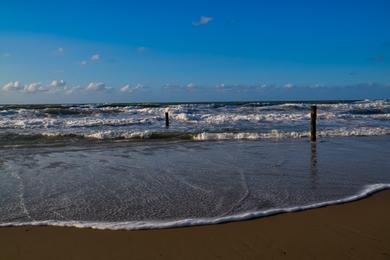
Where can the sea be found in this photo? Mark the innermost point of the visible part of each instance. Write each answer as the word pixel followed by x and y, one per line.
pixel 118 166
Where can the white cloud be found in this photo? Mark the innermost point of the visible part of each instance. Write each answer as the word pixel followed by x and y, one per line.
pixel 57 83
pixel 125 88
pixel 71 90
pixel 54 86
pixel 95 57
pixel 130 89
pixel 34 87
pixel 60 50
pixel 13 86
pixel 97 86
pixel 203 20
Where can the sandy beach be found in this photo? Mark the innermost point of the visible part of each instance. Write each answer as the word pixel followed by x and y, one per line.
pixel 357 230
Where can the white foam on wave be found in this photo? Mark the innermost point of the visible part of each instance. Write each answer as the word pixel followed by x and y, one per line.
pixel 247 136
pixel 46 123
pixel 209 118
pixel 112 135
pixel 142 225
pixel 223 118
pixel 209 136
pixel 357 113
pixel 361 131
pixel 275 134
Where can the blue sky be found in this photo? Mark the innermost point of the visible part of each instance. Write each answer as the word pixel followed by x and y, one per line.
pixel 111 51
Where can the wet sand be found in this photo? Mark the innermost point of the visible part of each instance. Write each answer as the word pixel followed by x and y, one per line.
pixel 357 230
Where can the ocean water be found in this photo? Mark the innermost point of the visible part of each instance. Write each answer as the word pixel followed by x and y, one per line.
pixel 116 166
pixel 205 121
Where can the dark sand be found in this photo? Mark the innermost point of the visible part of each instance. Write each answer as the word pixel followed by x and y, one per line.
pixel 357 230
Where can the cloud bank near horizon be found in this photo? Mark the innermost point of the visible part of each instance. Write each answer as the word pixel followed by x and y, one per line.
pixel 100 91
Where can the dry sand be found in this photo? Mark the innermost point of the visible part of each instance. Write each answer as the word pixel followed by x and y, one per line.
pixel 357 230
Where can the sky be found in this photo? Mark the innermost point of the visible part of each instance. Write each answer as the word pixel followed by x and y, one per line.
pixel 187 51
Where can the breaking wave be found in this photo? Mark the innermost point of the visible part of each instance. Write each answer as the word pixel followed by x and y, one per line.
pixel 200 136
pixel 189 121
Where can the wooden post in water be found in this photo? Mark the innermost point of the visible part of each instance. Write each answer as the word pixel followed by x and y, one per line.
pixel 313 124
pixel 166 119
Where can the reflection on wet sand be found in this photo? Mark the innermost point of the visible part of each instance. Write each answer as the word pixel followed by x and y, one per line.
pixel 313 159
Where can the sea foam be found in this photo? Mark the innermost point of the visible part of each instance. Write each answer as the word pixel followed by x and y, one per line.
pixel 144 225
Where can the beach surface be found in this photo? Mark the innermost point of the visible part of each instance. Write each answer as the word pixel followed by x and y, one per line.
pixel 356 230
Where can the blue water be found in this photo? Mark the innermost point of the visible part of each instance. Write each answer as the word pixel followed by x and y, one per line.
pixel 203 121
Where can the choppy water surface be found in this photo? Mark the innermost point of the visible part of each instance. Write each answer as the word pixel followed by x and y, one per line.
pixel 206 121
pixel 118 167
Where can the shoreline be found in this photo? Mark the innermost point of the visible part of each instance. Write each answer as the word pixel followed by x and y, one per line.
pixel 355 230
pixel 368 191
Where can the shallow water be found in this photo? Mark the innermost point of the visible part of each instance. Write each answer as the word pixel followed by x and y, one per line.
pixel 153 184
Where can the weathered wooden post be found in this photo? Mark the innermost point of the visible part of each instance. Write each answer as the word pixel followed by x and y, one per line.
pixel 313 124
pixel 166 119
